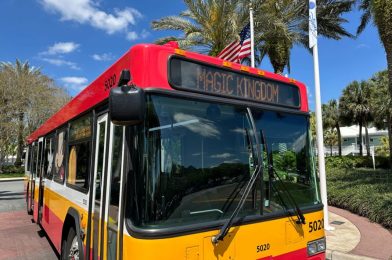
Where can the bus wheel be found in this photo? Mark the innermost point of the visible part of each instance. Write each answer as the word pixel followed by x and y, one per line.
pixel 70 247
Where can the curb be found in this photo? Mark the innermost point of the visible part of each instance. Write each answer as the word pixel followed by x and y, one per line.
pixel 12 179
pixel 332 255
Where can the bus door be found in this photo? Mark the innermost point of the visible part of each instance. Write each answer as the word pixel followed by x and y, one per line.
pixel 38 178
pixel 33 162
pixel 114 184
pixel 43 163
pixel 98 191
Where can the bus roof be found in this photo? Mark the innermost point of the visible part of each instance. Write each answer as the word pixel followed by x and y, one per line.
pixel 148 64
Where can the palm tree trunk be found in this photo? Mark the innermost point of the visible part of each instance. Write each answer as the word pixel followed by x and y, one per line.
pixel 18 161
pixel 367 140
pixel 339 139
pixel 388 50
pixel 360 138
pixel 389 122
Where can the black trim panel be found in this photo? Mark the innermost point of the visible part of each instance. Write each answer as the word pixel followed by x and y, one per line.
pixel 230 70
pixel 208 226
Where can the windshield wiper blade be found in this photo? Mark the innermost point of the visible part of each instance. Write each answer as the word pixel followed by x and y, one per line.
pixel 272 172
pixel 226 227
pixel 300 215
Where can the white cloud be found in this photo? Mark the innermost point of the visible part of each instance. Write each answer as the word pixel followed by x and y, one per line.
pixel 88 12
pixel 61 48
pixel 103 57
pixel 74 83
pixel 132 36
pixel 222 155
pixel 61 62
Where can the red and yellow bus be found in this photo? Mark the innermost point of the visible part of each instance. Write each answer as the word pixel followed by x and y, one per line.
pixel 171 154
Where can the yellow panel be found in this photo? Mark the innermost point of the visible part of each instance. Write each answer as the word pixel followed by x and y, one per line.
pixel 276 237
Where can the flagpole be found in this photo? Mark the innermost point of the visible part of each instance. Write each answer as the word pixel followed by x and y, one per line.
pixel 319 126
pixel 252 51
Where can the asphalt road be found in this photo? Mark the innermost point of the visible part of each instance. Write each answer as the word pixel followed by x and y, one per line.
pixel 11 196
pixel 20 238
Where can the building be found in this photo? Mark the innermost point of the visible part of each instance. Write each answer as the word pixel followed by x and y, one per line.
pixel 351 142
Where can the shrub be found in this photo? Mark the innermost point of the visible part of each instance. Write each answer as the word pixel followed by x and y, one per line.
pixel 349 162
pixel 362 191
pixel 11 169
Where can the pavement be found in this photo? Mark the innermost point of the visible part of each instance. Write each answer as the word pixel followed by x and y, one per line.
pixel 20 238
pixel 355 237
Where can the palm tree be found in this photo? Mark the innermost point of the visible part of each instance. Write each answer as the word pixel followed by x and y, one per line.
pixel 354 108
pixel 331 119
pixel 330 138
pixel 288 25
pixel 208 26
pixel 22 78
pixel 380 12
pixel 381 105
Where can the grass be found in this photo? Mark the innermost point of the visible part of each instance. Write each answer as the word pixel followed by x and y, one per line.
pixel 11 175
pixel 10 171
pixel 362 191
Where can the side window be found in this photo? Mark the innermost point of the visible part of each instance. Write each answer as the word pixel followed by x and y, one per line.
pixel 30 151
pixel 59 161
pixel 34 159
pixel 48 157
pixel 79 152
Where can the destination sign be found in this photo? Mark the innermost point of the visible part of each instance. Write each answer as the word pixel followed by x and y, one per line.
pixel 192 76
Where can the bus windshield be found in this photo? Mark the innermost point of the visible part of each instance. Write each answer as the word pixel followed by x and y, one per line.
pixel 192 159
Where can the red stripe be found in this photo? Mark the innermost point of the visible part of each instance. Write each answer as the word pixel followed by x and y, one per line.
pixel 297 254
pixel 232 56
pixel 227 49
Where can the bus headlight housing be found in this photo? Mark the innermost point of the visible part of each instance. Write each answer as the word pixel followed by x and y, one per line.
pixel 316 246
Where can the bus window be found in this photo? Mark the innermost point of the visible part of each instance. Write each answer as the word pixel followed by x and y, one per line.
pixel 48 157
pixel 34 160
pixel 59 170
pixel 114 190
pixel 29 151
pixel 288 145
pixel 195 157
pixel 79 147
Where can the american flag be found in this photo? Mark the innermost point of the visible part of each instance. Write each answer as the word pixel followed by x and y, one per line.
pixel 237 50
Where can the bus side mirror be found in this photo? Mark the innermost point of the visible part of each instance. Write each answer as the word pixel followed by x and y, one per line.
pixel 126 105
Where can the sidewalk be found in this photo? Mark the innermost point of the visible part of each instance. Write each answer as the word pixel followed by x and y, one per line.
pixel 356 237
pixel 12 179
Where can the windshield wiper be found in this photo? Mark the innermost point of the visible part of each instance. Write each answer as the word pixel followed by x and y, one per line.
pixel 272 172
pixel 226 227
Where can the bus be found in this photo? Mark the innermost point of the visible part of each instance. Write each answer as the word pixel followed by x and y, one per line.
pixel 171 154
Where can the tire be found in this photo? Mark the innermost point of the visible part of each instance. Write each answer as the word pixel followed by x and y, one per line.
pixel 70 248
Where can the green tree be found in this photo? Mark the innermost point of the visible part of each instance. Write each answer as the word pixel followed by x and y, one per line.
pixel 385 148
pixel 30 98
pixel 206 26
pixel 355 109
pixel 331 119
pixel 380 12
pixel 209 26
pixel 288 25
pixel 330 138
pixel 381 105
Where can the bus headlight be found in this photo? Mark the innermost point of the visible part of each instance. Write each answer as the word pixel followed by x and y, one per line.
pixel 316 246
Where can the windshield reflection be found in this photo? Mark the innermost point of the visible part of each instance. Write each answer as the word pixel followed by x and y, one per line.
pixel 193 158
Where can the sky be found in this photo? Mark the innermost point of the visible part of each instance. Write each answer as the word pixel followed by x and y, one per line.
pixel 74 41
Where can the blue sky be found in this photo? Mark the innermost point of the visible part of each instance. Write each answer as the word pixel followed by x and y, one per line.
pixel 74 41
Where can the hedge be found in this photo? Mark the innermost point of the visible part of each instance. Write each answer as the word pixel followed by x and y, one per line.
pixel 362 191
